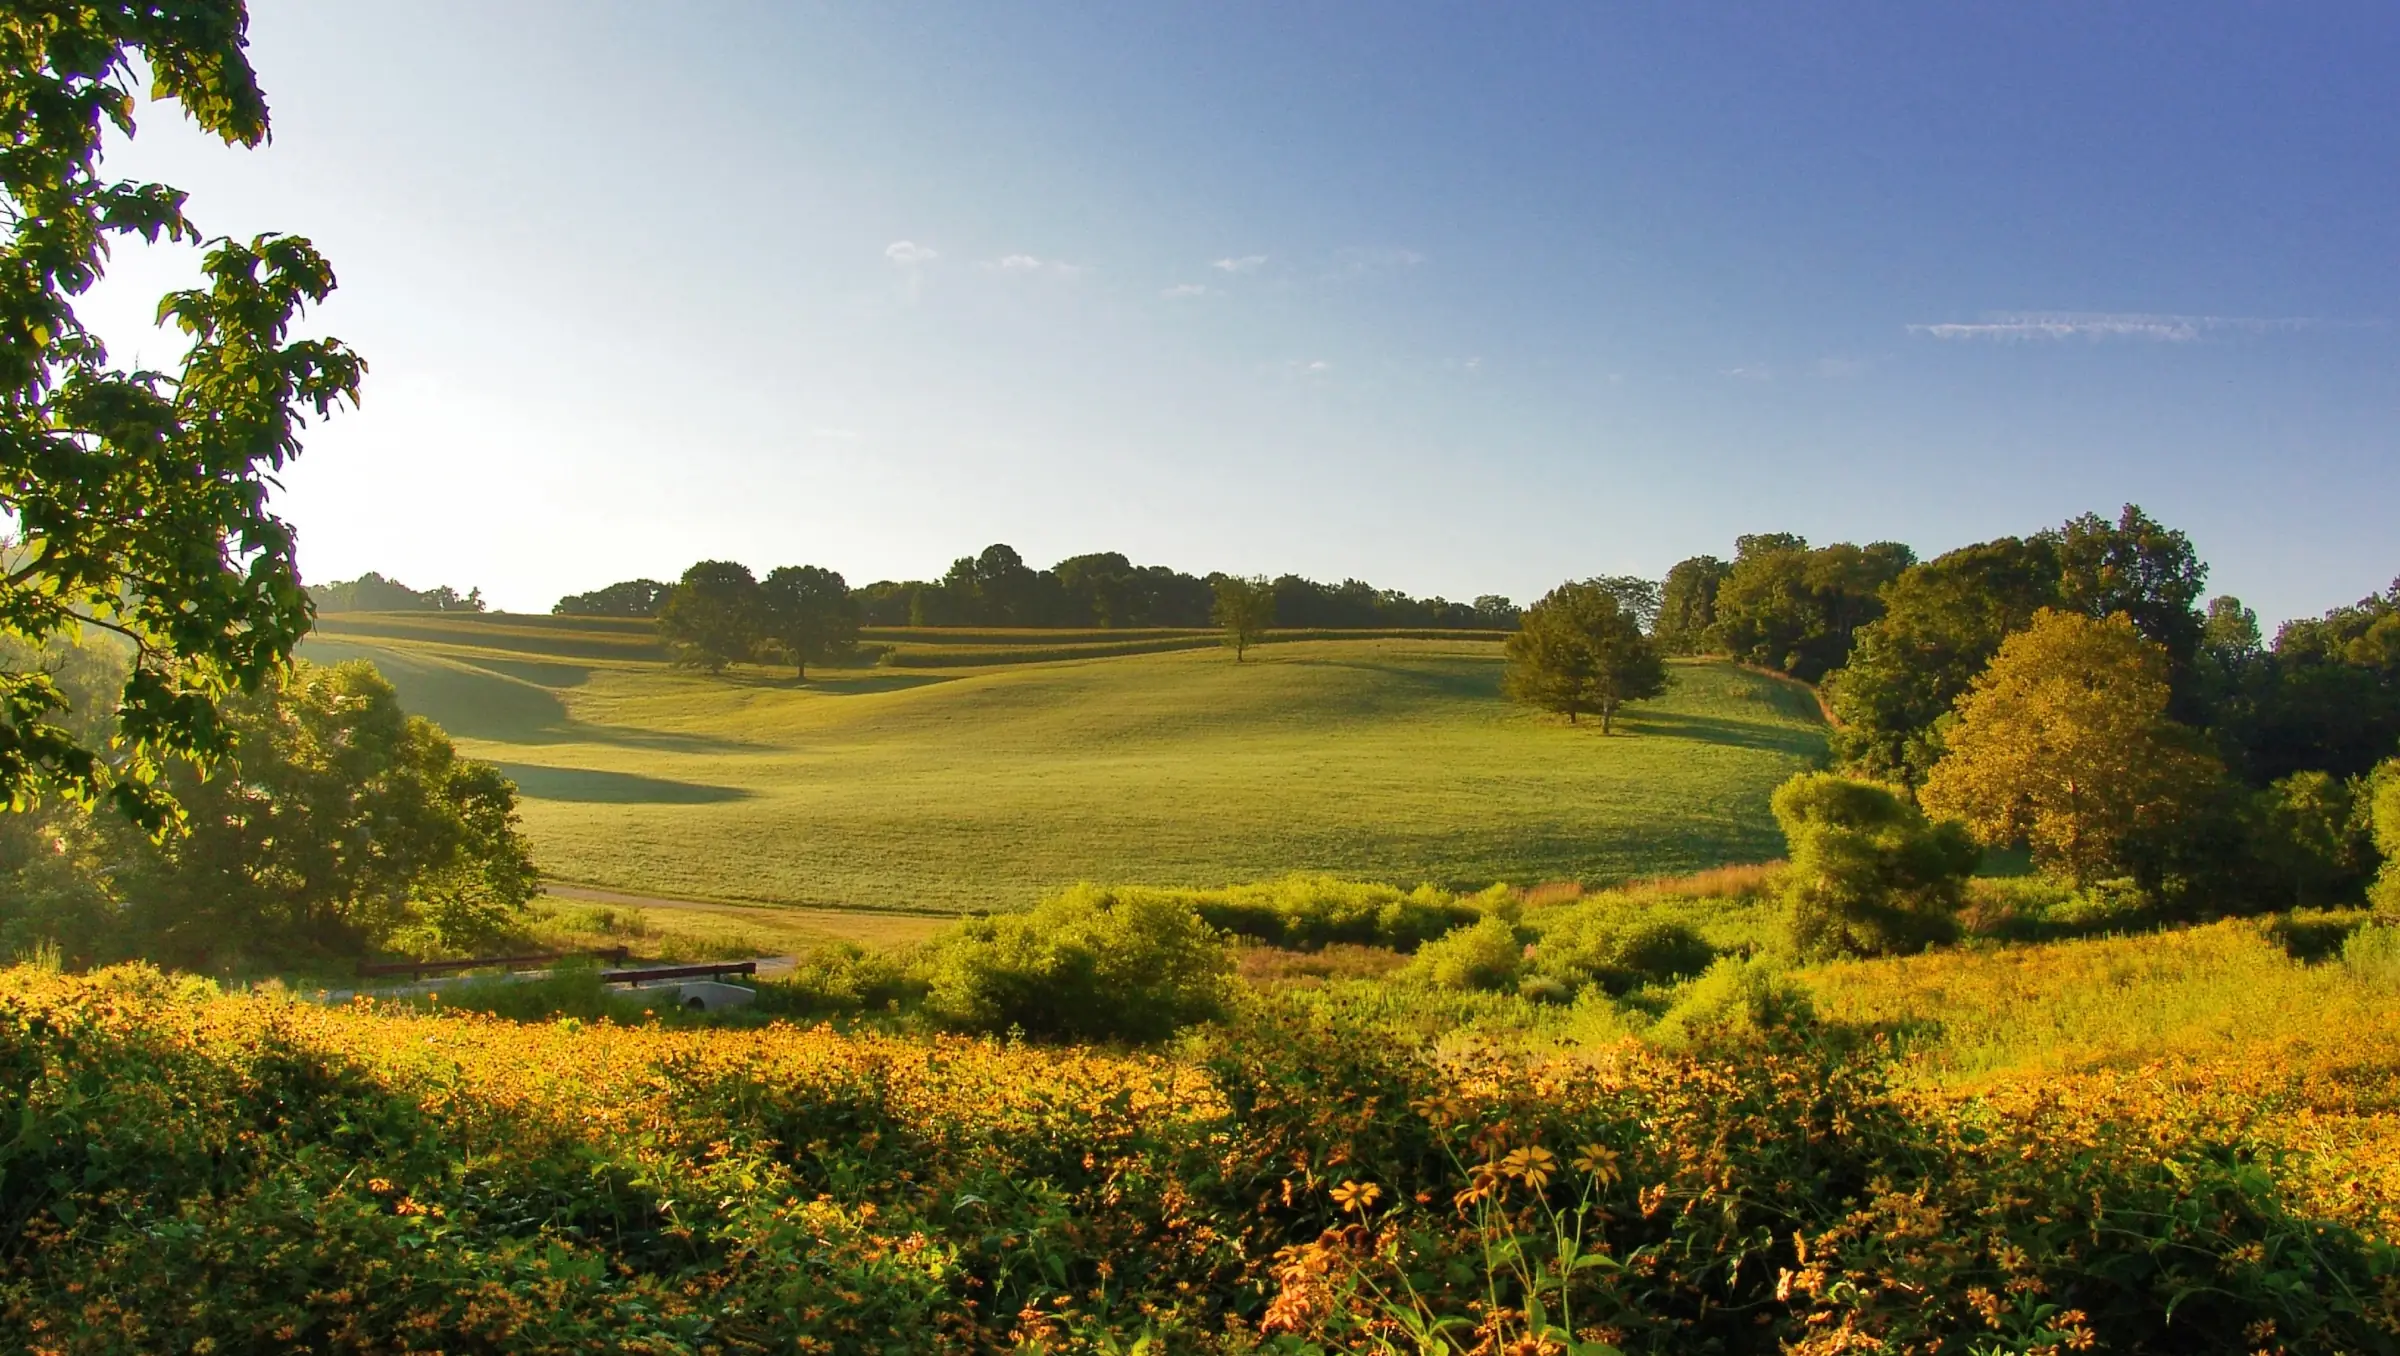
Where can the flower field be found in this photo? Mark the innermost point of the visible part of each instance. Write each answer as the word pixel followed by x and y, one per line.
pixel 192 1170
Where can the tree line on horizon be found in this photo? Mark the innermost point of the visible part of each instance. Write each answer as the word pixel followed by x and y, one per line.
pixel 1104 589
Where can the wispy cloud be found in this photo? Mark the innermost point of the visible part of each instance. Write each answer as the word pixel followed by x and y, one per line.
pixel 1248 263
pixel 908 253
pixel 1182 290
pixel 2022 326
pixel 1748 373
pixel 1307 367
pixel 1026 265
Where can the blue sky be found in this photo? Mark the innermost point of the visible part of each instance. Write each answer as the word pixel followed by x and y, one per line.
pixel 1457 299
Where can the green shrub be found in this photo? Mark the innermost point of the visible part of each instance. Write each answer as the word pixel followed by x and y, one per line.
pixel 1485 955
pixel 1740 997
pixel 1309 912
pixel 844 978
pixel 1087 965
pixel 1870 875
pixel 2383 817
pixel 2373 952
pixel 2307 841
pixel 1618 945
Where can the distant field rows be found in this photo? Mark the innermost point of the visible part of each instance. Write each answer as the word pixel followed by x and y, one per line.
pixel 985 786
pixel 899 646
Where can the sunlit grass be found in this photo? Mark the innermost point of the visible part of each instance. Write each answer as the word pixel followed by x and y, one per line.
pixel 1390 760
pixel 1961 1015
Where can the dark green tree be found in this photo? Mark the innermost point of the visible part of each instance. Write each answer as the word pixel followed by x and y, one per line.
pixel 1870 875
pixel 1688 604
pixel 335 824
pixel 371 592
pixel 1245 608
pixel 1942 622
pixel 1784 606
pixel 140 497
pixel 1579 652
pixel 2144 570
pixel 630 598
pixel 2309 840
pixel 808 613
pixel 714 617
pixel 2332 699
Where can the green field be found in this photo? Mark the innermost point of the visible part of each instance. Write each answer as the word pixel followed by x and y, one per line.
pixel 997 771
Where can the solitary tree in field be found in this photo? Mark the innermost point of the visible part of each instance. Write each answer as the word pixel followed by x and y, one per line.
pixel 712 618
pixel 1580 652
pixel 138 500
pixel 2064 743
pixel 809 615
pixel 1245 608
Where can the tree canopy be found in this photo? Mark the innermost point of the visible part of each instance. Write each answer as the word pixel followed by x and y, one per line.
pixel 1943 621
pixel 371 592
pixel 2065 743
pixel 1787 607
pixel 1579 651
pixel 712 618
pixel 1245 608
pixel 335 824
pixel 141 496
pixel 629 598
pixel 808 613
pixel 1688 604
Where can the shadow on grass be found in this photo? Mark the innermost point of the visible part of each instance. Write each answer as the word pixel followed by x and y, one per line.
pixel 1783 739
pixel 506 701
pixel 585 786
pixel 834 682
pixel 1462 678
pixel 539 672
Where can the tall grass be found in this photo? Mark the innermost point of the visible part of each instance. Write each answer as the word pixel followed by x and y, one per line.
pixel 1964 1014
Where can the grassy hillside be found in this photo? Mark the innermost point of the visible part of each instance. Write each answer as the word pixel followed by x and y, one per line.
pixel 986 783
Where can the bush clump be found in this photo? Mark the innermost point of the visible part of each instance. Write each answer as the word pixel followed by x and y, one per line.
pixel 1305 913
pixel 1740 998
pixel 1619 946
pixel 1870 875
pixel 844 978
pixel 1486 955
pixel 1089 964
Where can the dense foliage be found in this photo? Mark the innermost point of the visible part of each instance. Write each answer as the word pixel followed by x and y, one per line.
pixel 335 824
pixel 720 614
pixel 1310 912
pixel 1580 650
pixel 629 598
pixel 1787 607
pixel 140 497
pixel 2065 743
pixel 1870 875
pixel 252 1174
pixel 1083 965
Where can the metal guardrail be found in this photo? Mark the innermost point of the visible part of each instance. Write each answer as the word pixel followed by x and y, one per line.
pixel 748 967
pixel 615 955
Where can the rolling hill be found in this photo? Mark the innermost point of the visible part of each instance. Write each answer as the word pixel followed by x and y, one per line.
pixel 980 769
